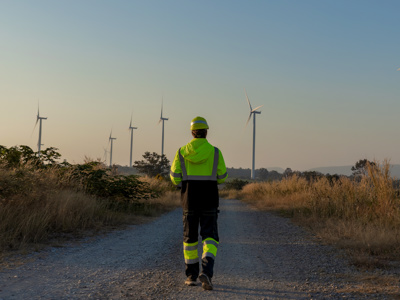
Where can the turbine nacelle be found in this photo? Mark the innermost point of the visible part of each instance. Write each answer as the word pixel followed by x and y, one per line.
pixel 111 138
pixel 110 142
pixel 161 117
pixel 39 118
pixel 130 125
pixel 252 111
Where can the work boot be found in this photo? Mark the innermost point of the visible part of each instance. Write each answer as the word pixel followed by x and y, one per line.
pixel 190 282
pixel 206 282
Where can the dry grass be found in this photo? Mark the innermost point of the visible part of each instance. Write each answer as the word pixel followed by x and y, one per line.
pixel 38 206
pixel 362 215
pixel 35 204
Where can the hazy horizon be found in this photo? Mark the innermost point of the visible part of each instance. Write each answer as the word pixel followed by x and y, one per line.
pixel 325 73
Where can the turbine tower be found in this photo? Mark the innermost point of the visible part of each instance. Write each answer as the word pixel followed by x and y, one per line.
pixel 131 129
pixel 111 139
pixel 39 119
pixel 253 112
pixel 162 120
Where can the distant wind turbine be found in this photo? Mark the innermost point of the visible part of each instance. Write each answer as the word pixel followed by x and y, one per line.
pixel 105 154
pixel 39 119
pixel 162 120
pixel 111 139
pixel 253 112
pixel 131 129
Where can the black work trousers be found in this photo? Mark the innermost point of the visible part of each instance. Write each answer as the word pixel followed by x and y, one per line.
pixel 208 229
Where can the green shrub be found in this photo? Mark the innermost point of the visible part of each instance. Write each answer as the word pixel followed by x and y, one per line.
pixel 97 180
pixel 235 184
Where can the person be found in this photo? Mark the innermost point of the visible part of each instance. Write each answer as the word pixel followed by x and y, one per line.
pixel 197 169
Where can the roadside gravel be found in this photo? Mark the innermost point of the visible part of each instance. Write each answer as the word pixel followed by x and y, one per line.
pixel 261 256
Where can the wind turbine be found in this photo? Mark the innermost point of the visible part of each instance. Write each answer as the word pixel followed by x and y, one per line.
pixel 105 154
pixel 253 112
pixel 39 119
pixel 110 140
pixel 131 129
pixel 162 120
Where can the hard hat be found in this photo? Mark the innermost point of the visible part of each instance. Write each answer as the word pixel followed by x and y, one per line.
pixel 198 123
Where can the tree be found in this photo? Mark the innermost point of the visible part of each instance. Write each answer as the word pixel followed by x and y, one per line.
pixel 49 156
pixel 16 156
pixel 287 173
pixel 274 176
pixel 262 174
pixel 361 167
pixel 153 164
pixel 311 175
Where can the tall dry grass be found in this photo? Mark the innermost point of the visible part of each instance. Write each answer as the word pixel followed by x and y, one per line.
pixel 38 205
pixel 361 214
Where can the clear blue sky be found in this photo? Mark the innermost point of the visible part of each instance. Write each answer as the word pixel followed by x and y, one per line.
pixel 325 71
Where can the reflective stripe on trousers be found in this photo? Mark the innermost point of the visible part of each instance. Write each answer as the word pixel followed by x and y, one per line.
pixel 190 251
pixel 210 247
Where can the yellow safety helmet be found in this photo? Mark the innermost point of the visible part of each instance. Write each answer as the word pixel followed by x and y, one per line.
pixel 198 123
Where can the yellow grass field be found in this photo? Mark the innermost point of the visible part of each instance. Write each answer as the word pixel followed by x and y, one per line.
pixel 362 216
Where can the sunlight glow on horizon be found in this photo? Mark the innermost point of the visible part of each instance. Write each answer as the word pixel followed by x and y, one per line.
pixel 322 71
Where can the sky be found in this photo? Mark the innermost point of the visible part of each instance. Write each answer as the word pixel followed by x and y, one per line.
pixel 324 71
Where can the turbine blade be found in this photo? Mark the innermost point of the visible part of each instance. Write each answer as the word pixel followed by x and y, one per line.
pixel 248 101
pixel 248 120
pixel 162 102
pixel 257 108
pixel 159 121
pixel 37 120
pixel 34 127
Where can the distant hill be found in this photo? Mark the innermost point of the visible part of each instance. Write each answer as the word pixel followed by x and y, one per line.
pixel 340 170
pixel 395 171
pixel 346 170
pixel 277 169
pixel 261 174
pixel 245 173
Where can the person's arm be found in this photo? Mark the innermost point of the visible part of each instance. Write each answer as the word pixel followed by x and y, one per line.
pixel 222 175
pixel 176 170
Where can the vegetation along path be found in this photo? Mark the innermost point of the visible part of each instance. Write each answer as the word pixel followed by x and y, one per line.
pixel 261 256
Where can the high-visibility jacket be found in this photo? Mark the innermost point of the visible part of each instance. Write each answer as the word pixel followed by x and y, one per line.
pixel 198 167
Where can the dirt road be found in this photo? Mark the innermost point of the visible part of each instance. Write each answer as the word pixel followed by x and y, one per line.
pixel 261 256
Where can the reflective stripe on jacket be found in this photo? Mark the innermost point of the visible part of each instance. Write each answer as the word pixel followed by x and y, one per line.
pixel 198 168
pixel 198 160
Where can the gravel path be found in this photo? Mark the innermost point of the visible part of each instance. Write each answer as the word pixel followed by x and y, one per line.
pixel 261 256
